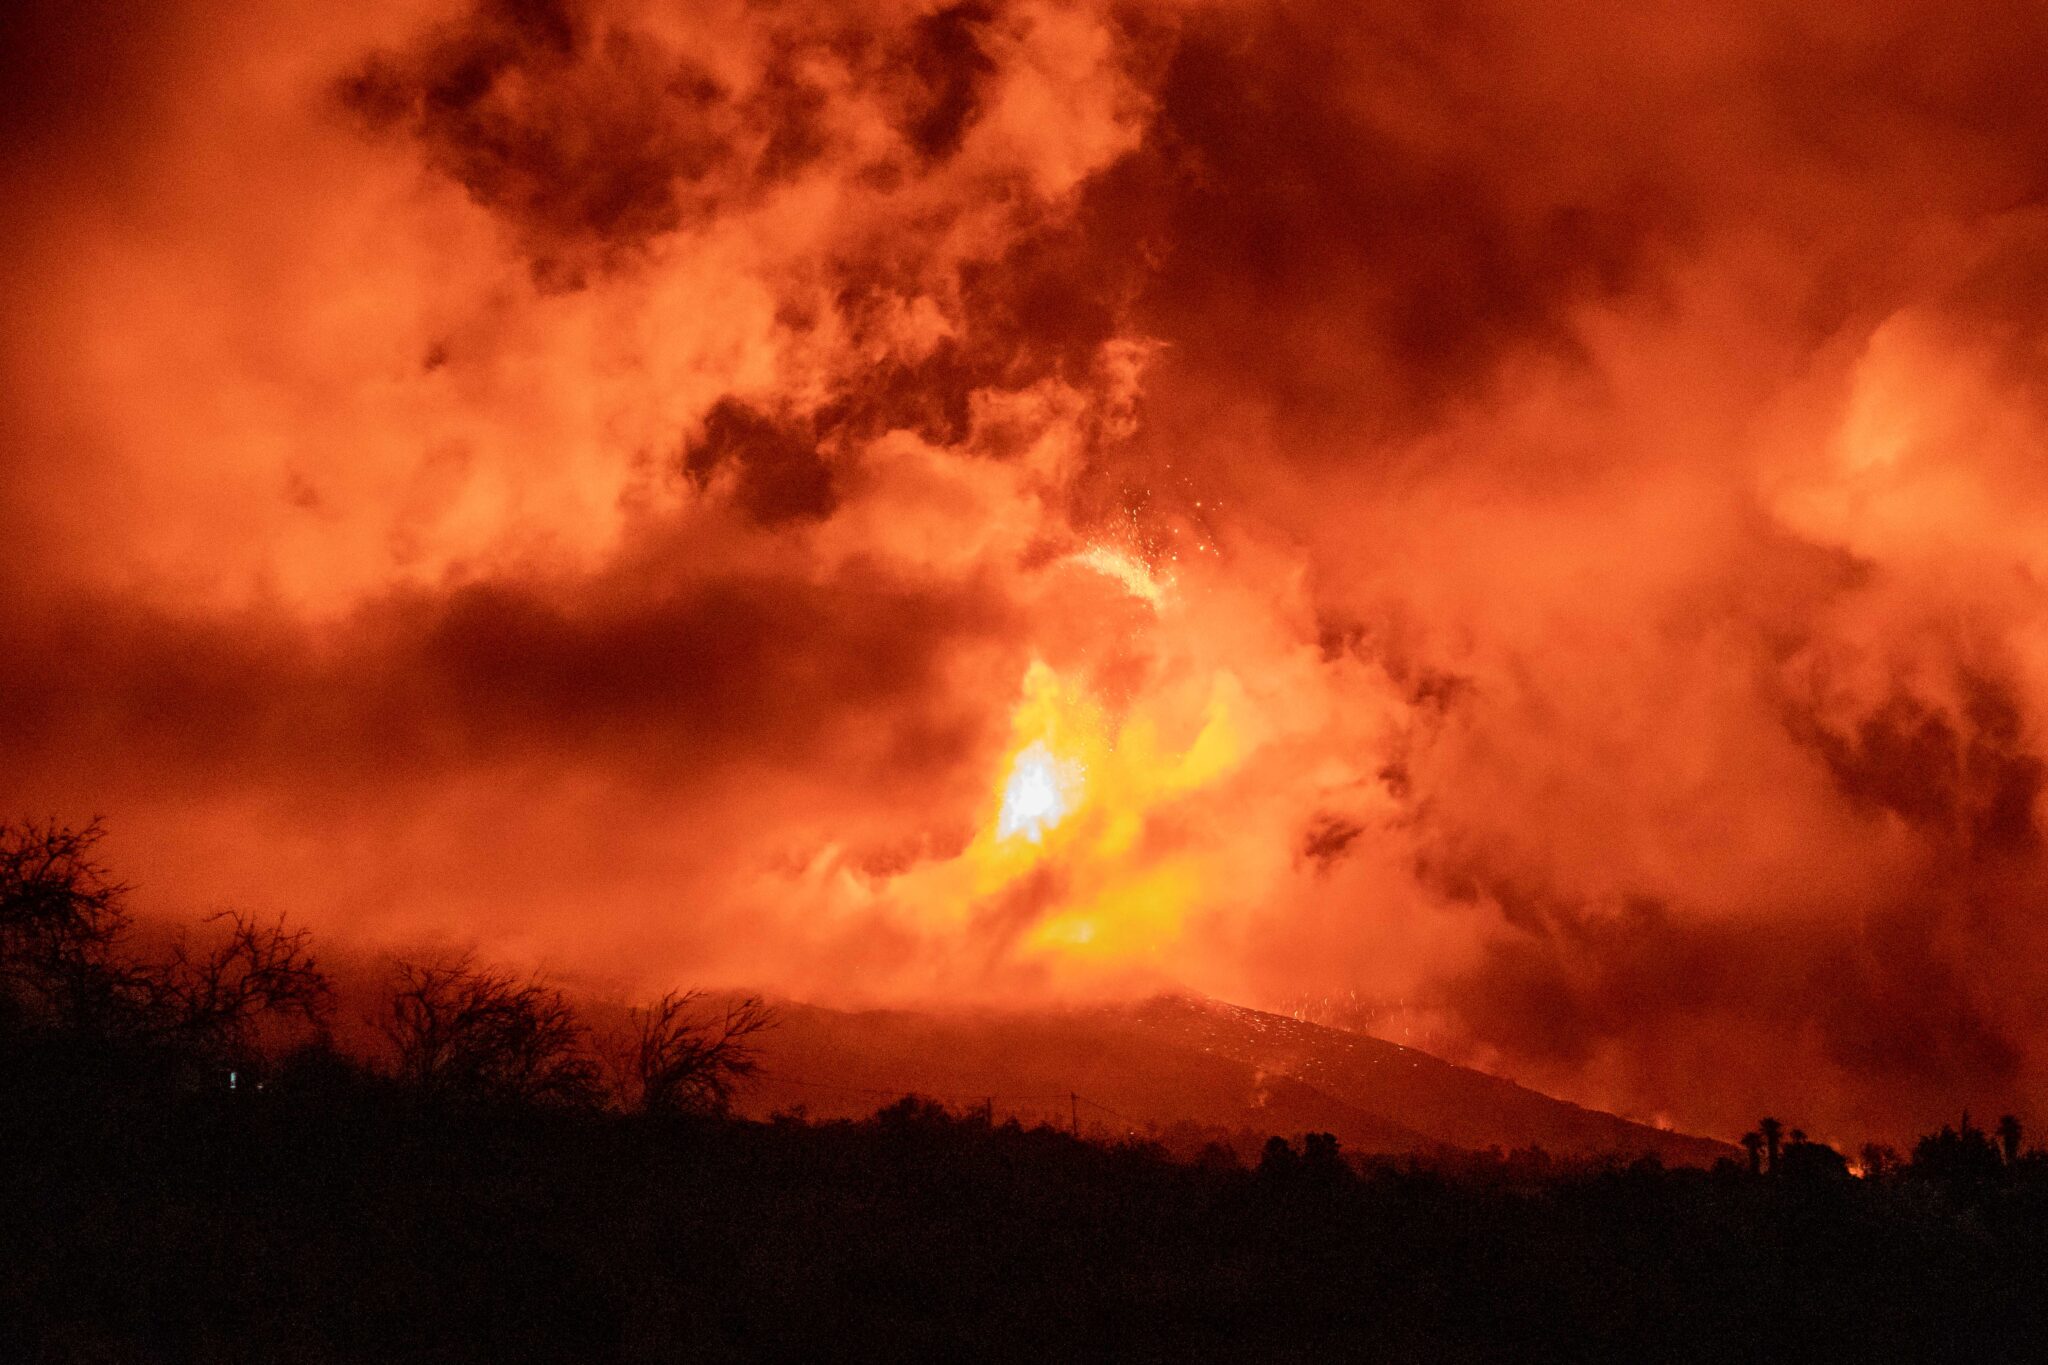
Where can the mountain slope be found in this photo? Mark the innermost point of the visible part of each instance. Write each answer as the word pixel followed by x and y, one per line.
pixel 1454 1105
pixel 1180 1061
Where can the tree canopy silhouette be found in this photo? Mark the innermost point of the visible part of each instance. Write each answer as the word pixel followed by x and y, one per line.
pixel 62 919
pixel 464 1031
pixel 1962 1160
pixel 687 1055
pixel 67 967
pixel 217 995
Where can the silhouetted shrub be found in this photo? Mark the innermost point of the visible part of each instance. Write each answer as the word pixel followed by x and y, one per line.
pixel 1813 1162
pixel 1962 1161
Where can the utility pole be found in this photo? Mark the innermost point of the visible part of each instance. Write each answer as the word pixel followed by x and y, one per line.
pixel 1074 1111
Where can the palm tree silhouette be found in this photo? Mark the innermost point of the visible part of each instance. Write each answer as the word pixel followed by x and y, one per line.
pixel 2009 1133
pixel 1772 1131
pixel 1753 1142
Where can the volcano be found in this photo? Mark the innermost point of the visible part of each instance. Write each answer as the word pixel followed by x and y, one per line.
pixel 1183 1070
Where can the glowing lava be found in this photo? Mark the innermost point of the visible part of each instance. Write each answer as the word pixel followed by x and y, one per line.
pixel 1080 796
pixel 1041 790
pixel 1097 846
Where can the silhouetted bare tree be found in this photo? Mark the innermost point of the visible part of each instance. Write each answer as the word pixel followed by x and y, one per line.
pixel 688 1057
pixel 62 917
pixel 66 967
pixel 218 995
pixel 464 1031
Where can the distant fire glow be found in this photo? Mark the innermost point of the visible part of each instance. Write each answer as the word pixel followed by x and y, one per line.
pixel 1040 792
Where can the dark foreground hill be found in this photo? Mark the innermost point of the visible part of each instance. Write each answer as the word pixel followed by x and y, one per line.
pixel 338 1217
pixel 180 1182
pixel 1178 1066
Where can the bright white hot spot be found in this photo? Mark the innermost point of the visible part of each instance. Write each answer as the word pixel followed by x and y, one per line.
pixel 1038 795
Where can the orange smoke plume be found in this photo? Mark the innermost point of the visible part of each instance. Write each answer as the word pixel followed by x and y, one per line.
pixel 1518 528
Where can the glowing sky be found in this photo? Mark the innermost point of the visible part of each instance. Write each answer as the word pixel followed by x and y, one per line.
pixel 1518 526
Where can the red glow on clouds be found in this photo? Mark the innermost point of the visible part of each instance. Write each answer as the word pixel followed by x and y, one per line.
pixel 1520 527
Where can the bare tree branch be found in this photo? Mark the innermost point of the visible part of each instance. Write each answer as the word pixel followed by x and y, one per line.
pixel 257 973
pixel 62 921
pixel 690 1058
pixel 465 1031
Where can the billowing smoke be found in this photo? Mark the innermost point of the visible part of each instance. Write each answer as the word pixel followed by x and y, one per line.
pixel 1517 527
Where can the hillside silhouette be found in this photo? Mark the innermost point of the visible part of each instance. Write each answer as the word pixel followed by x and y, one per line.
pixel 196 1171
pixel 1183 1061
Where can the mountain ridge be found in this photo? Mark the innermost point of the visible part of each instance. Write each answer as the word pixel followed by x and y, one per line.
pixel 1177 1066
